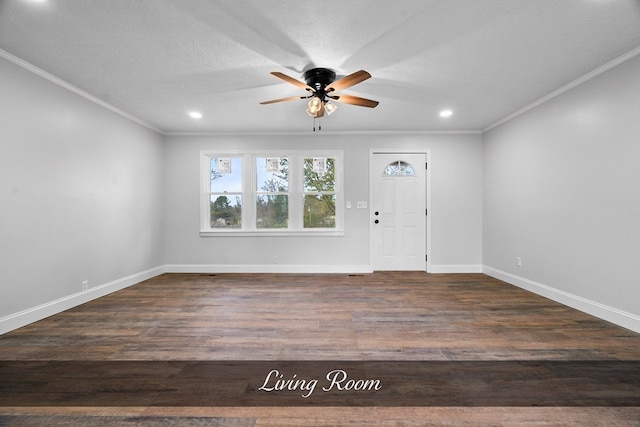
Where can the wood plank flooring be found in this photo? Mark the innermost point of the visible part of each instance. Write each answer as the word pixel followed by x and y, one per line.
pixel 385 316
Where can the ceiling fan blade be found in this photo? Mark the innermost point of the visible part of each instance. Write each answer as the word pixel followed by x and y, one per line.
pixel 290 98
pixel 292 81
pixel 348 81
pixel 355 100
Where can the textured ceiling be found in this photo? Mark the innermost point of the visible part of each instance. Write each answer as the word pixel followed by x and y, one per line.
pixel 158 59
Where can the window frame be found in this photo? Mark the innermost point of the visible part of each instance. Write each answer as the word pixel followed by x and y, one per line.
pixel 231 193
pixel 249 193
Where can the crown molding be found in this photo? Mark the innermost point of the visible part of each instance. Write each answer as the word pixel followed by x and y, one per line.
pixel 327 132
pixel 606 67
pixel 68 86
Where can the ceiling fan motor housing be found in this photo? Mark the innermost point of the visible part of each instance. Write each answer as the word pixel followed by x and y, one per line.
pixel 319 78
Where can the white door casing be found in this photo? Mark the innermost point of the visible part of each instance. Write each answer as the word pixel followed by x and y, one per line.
pixel 398 211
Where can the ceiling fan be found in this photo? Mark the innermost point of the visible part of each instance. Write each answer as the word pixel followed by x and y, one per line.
pixel 321 84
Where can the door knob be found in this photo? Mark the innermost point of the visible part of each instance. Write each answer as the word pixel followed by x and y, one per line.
pixel 376 221
pixel 376 213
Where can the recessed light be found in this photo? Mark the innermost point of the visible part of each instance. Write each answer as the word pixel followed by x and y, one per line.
pixel 446 113
pixel 195 115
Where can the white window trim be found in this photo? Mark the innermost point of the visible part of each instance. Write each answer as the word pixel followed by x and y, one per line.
pixel 249 193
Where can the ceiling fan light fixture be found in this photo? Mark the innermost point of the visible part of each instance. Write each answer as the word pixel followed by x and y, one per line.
pixel 330 107
pixel 314 106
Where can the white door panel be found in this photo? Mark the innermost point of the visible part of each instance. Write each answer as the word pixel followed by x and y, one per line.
pixel 398 212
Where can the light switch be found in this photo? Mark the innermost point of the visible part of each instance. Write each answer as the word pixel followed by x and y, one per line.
pixel 348 204
pixel 361 204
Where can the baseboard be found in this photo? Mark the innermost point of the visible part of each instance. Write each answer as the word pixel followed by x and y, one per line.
pixel 25 317
pixel 311 269
pixel 455 268
pixel 605 312
pixel 267 268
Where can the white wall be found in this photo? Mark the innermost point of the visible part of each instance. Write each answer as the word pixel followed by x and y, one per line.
pixel 81 198
pixel 456 171
pixel 562 191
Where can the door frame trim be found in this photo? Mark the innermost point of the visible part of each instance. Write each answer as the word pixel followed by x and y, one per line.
pixel 429 161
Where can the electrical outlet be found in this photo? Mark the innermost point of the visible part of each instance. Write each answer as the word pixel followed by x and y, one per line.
pixel 85 285
pixel 518 261
pixel 275 259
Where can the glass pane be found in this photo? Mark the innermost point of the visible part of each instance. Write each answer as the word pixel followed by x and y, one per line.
pixel 272 211
pixel 399 169
pixel 272 174
pixel 226 211
pixel 226 175
pixel 320 211
pixel 319 174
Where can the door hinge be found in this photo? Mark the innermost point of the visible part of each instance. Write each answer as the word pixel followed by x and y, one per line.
pixel 426 257
pixel 426 212
pixel 426 165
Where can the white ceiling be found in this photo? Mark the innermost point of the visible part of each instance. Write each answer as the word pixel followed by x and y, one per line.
pixel 159 59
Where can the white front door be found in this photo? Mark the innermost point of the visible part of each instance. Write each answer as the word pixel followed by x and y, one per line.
pixel 398 211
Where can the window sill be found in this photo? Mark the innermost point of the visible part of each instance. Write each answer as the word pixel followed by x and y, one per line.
pixel 271 233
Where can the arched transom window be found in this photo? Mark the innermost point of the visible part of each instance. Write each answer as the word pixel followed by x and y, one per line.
pixel 399 168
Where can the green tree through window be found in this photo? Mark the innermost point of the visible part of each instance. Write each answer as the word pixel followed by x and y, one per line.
pixel 319 193
pixel 225 197
pixel 272 205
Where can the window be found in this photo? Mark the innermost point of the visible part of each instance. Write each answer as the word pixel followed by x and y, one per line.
pixel 272 192
pixel 267 193
pixel 319 193
pixel 399 168
pixel 225 193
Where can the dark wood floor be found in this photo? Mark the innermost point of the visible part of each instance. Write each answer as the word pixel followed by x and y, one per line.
pixel 385 316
